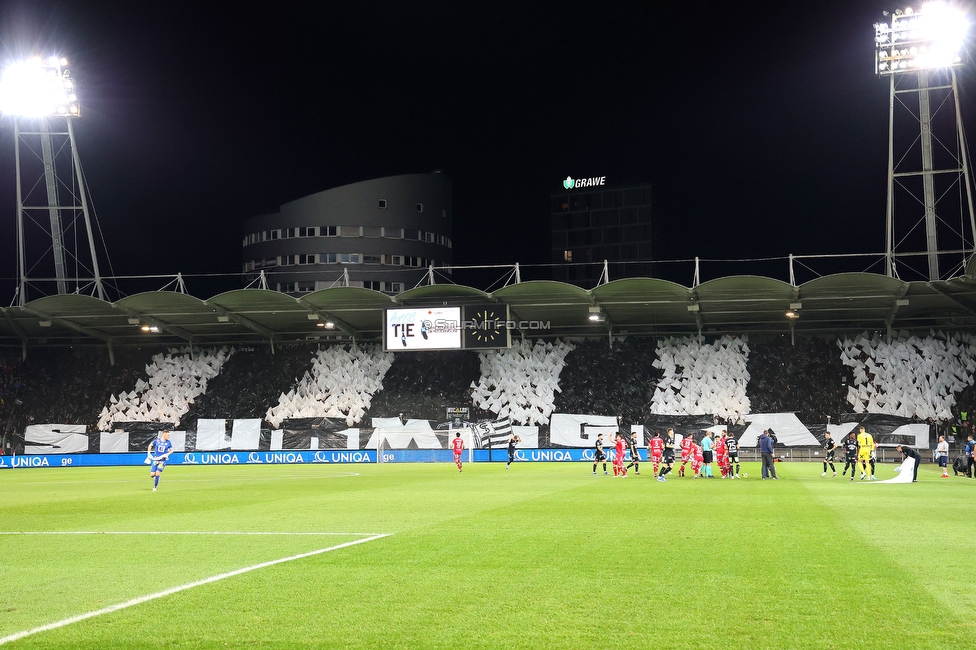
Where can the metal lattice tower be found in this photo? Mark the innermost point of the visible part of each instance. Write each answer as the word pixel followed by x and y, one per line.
pixel 930 225
pixel 55 243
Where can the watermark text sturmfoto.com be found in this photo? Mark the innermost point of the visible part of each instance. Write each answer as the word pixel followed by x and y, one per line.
pixel 445 325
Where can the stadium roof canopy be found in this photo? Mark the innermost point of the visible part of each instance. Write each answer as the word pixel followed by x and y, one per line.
pixel 632 306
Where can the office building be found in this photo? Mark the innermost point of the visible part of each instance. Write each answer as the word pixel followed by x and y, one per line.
pixel 380 234
pixel 592 222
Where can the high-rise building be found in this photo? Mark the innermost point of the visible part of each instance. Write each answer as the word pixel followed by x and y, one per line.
pixel 592 222
pixel 380 234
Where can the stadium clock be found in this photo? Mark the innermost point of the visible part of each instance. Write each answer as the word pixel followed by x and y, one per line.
pixel 485 326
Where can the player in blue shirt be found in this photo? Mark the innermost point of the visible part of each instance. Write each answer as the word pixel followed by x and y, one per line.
pixel 707 445
pixel 159 451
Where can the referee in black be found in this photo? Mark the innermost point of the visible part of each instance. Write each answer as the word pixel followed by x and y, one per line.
pixel 911 453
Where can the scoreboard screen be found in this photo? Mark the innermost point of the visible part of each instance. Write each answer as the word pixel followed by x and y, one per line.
pixel 423 328
pixel 472 327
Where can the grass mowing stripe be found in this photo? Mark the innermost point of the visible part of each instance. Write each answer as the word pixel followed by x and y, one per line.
pixel 173 590
pixel 929 545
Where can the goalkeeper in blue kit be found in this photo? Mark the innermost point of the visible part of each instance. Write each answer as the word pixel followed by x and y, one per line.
pixel 159 451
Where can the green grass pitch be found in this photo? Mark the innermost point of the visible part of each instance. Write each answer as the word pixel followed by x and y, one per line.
pixel 539 556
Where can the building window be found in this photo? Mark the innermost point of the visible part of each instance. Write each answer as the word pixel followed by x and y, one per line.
pixel 245 241
pixel 349 258
pixel 443 213
pixel 427 237
pixel 372 259
pixel 393 233
pixel 327 258
pixel 567 256
pixel 382 204
pixel 393 260
pixel 372 231
pixel 274 234
pixel 395 287
pixel 350 231
pixel 420 207
pixel 329 231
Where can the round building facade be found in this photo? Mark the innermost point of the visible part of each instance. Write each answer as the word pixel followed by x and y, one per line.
pixel 380 234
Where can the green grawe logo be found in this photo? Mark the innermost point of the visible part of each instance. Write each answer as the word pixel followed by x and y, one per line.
pixel 569 183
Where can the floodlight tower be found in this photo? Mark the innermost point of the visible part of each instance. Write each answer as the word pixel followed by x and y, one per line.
pixel 919 51
pixel 53 221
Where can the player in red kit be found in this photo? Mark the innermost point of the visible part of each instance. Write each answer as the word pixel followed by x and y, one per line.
pixel 698 459
pixel 618 457
pixel 458 446
pixel 657 451
pixel 687 453
pixel 721 454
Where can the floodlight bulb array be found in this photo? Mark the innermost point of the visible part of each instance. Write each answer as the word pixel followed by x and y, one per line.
pixel 38 88
pixel 932 37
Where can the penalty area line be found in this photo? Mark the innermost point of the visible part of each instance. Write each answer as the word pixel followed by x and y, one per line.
pixel 173 590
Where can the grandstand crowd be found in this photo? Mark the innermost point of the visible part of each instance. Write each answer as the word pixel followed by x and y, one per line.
pixel 72 386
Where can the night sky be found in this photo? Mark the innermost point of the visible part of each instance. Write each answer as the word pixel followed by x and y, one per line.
pixel 763 133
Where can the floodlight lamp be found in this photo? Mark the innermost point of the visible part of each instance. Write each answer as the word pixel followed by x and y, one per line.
pixel 329 325
pixel 144 328
pixel 792 314
pixel 930 38
pixel 37 88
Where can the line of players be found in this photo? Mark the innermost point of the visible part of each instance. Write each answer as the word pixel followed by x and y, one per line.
pixel 661 454
pixel 858 448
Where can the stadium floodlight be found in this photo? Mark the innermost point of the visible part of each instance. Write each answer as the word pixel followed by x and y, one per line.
pixel 931 38
pixel 40 98
pixel 38 88
pixel 917 52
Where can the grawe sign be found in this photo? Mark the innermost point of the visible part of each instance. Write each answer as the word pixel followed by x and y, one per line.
pixel 574 183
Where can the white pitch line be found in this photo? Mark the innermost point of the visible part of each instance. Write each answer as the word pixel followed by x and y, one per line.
pixel 168 592
pixel 170 532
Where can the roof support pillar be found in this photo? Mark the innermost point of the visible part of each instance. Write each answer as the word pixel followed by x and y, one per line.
pixel 21 334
